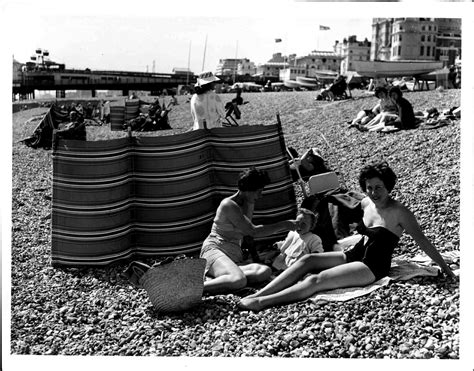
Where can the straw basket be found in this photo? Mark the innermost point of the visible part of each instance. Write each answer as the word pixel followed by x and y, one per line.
pixel 175 285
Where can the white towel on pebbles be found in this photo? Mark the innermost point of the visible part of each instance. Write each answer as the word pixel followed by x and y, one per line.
pixel 401 270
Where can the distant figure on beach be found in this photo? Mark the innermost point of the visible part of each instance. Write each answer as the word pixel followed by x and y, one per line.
pixel 207 108
pixel 384 111
pixel 452 74
pixel 74 129
pixel 384 221
pixel 106 110
pixel 406 116
pixel 233 220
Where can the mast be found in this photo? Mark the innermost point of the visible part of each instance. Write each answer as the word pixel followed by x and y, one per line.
pixel 204 56
pixel 235 67
pixel 189 58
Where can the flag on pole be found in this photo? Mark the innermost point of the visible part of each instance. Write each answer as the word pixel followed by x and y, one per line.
pixel 278 40
pixel 324 28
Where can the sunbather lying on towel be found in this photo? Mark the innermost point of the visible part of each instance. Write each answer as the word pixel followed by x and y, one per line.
pixel 222 248
pixel 384 221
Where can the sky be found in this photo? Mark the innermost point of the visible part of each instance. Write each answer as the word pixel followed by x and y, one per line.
pixel 132 43
pixel 132 35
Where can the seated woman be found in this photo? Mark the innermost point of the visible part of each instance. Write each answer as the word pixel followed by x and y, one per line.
pixel 385 111
pixel 222 248
pixel 405 115
pixel 384 220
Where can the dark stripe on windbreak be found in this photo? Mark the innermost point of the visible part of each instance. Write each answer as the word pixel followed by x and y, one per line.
pixel 77 151
pixel 62 179
pixel 58 206
pixel 181 226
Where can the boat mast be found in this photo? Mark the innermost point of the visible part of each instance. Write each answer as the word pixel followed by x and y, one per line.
pixel 189 58
pixel 235 67
pixel 204 57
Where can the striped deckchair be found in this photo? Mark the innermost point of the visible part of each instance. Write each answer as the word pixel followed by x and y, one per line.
pixel 140 197
pixel 132 109
pixel 42 135
pixel 117 117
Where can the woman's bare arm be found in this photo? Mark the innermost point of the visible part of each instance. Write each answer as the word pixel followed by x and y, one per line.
pixel 410 224
pixel 243 223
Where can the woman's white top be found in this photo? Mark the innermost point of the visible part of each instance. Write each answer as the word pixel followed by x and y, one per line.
pixel 207 106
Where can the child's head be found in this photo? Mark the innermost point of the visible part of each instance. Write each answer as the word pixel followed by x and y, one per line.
pixel 306 221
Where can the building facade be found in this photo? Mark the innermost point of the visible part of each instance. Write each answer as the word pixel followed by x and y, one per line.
pixel 448 40
pixel 413 39
pixel 381 39
pixel 416 39
pixel 318 61
pixel 351 50
pixel 230 66
pixel 271 69
pixel 246 67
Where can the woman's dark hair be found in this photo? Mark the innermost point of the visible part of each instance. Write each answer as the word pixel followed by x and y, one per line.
pixel 395 89
pixel 380 89
pixel 381 171
pixel 252 180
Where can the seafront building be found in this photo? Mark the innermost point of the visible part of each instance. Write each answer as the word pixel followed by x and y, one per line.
pixel 235 66
pixel 270 70
pixel 351 50
pixel 319 61
pixel 396 39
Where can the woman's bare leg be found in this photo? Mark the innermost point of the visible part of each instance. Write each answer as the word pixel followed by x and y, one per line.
pixel 344 275
pixel 227 277
pixel 256 273
pixel 373 122
pixel 312 263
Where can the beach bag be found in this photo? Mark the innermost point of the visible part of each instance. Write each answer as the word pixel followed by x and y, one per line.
pixel 174 284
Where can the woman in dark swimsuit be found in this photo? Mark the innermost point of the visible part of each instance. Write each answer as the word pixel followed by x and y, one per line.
pixel 384 220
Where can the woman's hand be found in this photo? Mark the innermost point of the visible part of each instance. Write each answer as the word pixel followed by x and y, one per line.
pixel 448 272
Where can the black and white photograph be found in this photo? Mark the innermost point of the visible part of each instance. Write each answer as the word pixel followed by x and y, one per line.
pixel 222 184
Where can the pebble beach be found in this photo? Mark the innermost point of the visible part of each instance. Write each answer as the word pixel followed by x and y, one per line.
pixel 96 312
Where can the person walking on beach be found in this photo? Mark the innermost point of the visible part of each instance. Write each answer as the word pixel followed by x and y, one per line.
pixel 384 221
pixel 207 108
